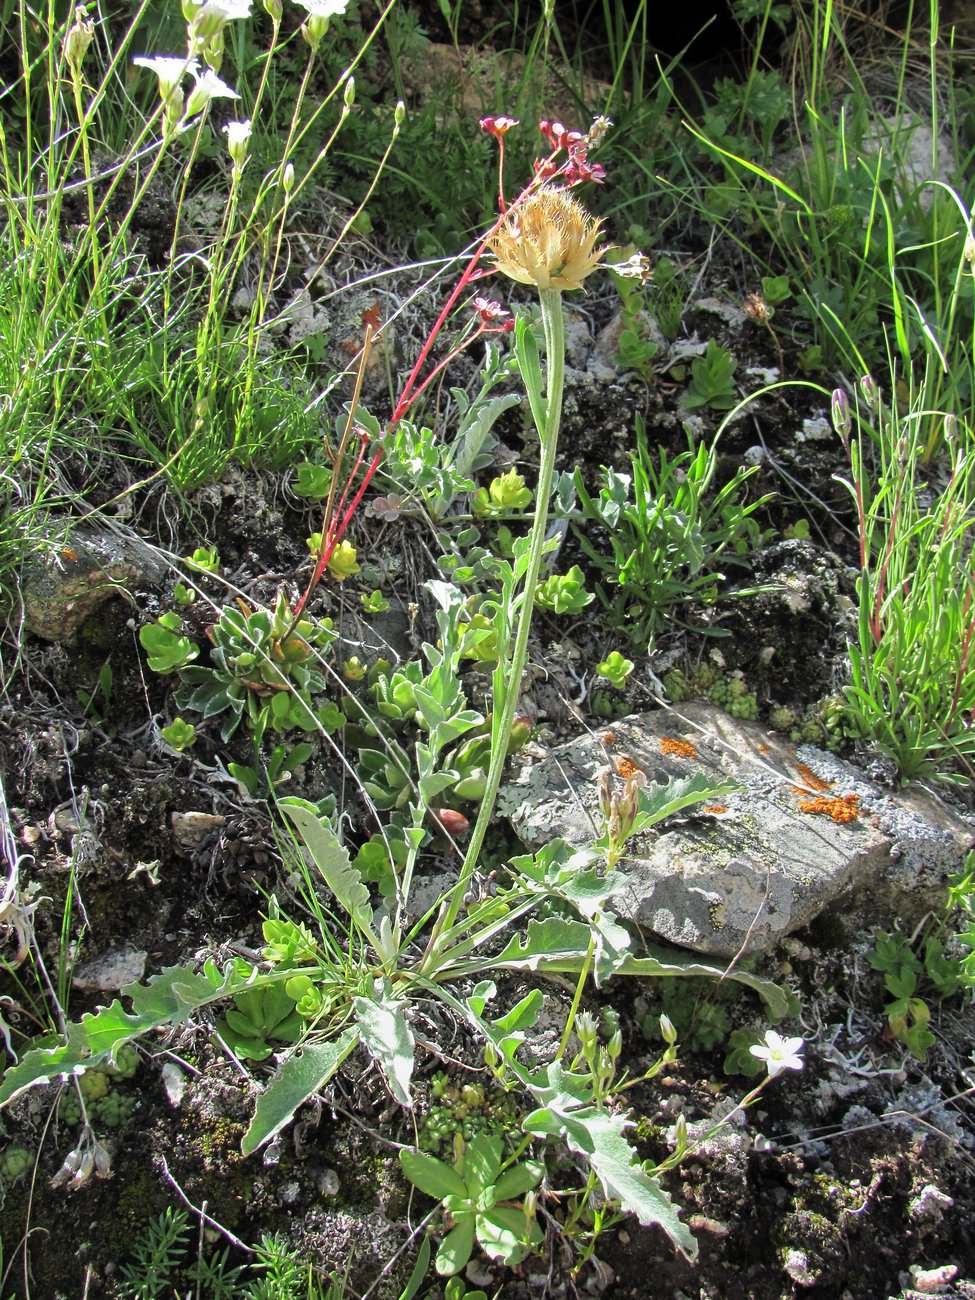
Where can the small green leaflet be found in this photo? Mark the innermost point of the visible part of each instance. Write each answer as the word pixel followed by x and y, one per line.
pixel 529 363
pixel 660 800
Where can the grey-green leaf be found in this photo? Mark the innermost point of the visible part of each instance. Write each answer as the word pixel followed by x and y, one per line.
pixel 332 860
pixel 387 1034
pixel 299 1078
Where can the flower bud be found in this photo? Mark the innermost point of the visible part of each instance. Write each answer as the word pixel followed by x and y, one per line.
pixel 213 52
pixel 79 36
pixel 313 31
pixel 103 1160
pixel 667 1031
pixel 615 1045
pixel 629 802
pixel 399 114
pixel 604 778
pixel 680 1134
pixel 950 429
pixel 288 178
pixel 870 392
pixel 453 822
pixel 275 10
pixel 586 1032
pixel 348 95
pixel 520 733
pixel 173 112
pixel 209 19
pixel 842 416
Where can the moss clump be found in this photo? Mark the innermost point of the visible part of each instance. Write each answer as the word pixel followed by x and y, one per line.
pixel 220 1140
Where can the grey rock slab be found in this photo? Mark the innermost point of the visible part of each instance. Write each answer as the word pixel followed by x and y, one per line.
pixel 110 971
pixel 744 872
pixel 65 584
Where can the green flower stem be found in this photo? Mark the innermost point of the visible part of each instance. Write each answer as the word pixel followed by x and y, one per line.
pixel 577 997
pixel 554 330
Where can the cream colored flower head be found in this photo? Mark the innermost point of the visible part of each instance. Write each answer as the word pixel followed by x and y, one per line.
pixel 549 240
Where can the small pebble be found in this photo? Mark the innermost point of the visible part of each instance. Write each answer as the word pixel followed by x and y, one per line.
pixel 931 1281
pixel 111 971
pixel 797 1266
pixel 174 1083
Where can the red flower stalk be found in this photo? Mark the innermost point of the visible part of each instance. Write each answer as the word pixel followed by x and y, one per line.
pixel 493 318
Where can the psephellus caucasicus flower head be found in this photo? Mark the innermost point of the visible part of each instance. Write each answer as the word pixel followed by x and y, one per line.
pixel 548 240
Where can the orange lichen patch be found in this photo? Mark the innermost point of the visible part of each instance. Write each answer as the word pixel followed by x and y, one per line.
pixel 843 808
pixel 678 748
pixel 810 781
pixel 762 749
pixel 716 808
pixel 625 767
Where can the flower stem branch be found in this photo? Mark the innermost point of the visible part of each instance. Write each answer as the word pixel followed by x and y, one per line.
pixel 554 330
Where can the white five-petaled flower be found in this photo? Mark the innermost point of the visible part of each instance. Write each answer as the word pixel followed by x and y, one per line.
pixel 778 1053
pixel 169 70
pixel 324 8
pixel 238 134
pixel 214 15
pixel 208 86
pixel 636 267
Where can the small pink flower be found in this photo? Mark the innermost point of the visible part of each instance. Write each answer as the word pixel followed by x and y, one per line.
pixel 497 126
pixel 579 169
pixel 559 136
pixel 490 311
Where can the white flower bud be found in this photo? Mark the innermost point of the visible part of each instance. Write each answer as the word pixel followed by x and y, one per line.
pixel 680 1134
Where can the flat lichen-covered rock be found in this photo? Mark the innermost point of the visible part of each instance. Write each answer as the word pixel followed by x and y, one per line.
pixel 804 832
pixel 65 584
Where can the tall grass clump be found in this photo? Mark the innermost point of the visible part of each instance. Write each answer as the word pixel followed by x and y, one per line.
pixel 912 660
pixel 133 331
pixel 832 180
